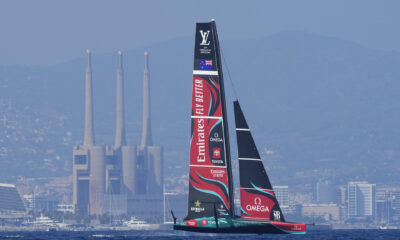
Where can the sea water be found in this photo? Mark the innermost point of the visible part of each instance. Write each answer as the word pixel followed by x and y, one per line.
pixel 98 235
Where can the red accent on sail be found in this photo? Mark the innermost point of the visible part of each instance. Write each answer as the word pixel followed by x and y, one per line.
pixel 255 205
pixel 205 91
pixel 200 176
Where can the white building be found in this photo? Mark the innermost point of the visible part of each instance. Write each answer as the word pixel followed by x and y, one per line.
pixel 329 212
pixel 282 194
pixel 66 208
pixel 361 199
pixel 11 204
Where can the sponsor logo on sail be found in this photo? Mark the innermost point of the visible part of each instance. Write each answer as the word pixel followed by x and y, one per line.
pixel 205 43
pixel 197 207
pixel 218 173
pixel 201 145
pixel 216 138
pixel 204 36
pixel 204 222
pixel 198 93
pixel 257 207
pixel 277 215
pixel 199 110
pixel 216 152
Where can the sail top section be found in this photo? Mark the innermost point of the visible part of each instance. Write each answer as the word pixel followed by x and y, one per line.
pixel 205 59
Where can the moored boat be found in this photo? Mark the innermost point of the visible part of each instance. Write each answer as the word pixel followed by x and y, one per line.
pixel 136 224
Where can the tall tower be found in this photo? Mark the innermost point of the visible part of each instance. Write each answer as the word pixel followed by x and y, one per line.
pixel 120 137
pixel 89 133
pixel 83 157
pixel 146 132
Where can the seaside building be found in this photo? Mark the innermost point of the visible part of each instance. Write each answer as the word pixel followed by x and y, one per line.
pixel 324 192
pixel 282 194
pixel 382 207
pixel 328 212
pixel 122 178
pixel 341 195
pixel 395 204
pixel 11 204
pixel 361 199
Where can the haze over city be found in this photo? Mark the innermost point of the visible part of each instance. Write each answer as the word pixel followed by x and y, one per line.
pixel 317 81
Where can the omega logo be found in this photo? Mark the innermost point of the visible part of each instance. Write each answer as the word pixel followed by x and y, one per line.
pixel 257 207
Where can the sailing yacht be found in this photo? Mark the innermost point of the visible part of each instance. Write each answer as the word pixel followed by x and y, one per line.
pixel 211 200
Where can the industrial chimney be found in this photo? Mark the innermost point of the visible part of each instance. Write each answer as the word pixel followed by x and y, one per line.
pixel 89 132
pixel 120 137
pixel 146 131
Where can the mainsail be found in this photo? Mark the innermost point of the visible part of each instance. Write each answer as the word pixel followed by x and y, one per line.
pixel 257 198
pixel 210 174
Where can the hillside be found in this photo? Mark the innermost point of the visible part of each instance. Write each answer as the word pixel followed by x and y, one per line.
pixel 318 106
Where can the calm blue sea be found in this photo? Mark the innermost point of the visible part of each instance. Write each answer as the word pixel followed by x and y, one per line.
pixel 323 234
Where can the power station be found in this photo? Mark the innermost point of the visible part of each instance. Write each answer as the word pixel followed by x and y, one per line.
pixel 118 179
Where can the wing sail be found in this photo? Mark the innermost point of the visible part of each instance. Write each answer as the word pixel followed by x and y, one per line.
pixel 210 181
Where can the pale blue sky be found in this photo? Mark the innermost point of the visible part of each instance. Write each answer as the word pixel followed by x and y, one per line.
pixel 46 32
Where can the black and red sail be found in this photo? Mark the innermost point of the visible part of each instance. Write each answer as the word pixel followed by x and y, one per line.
pixel 210 177
pixel 257 198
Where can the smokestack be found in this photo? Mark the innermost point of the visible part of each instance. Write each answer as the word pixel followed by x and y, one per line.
pixel 120 138
pixel 146 131
pixel 89 134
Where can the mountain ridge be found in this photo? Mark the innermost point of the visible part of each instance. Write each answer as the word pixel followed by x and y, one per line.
pixel 317 102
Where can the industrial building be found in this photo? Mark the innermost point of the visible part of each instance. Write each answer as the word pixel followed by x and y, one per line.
pixel 118 179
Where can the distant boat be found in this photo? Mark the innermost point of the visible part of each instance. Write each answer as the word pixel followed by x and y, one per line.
pixel 386 227
pixel 136 224
pixel 211 200
pixel 46 223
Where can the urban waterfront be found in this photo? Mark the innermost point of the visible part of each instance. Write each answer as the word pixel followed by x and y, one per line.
pixel 314 235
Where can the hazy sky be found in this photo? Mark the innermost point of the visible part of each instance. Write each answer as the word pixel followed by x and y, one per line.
pixel 47 32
